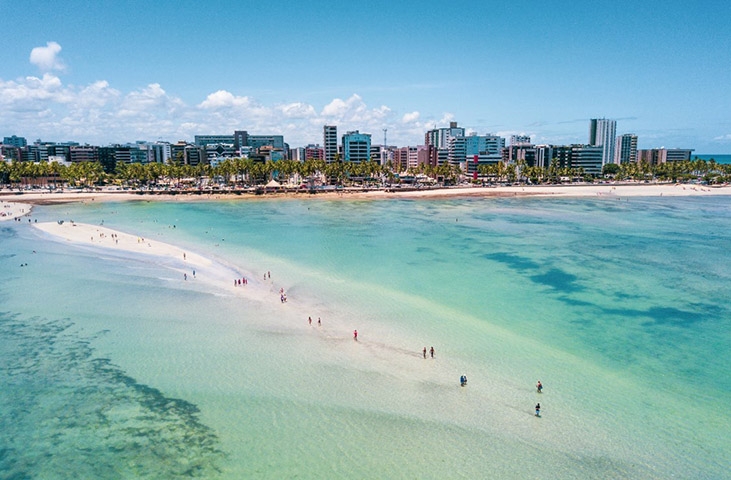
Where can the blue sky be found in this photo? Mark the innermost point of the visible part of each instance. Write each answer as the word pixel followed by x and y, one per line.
pixel 115 71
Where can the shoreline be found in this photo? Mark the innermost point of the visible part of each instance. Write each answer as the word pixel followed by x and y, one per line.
pixel 582 191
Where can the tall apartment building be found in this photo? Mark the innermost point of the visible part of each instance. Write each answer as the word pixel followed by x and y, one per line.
pixel 439 138
pixel 405 157
pixel 314 152
pixel 544 155
pixel 625 150
pixel 587 157
pixel 85 153
pixel 204 140
pixel 519 139
pixel 160 152
pixel 242 139
pixel 15 141
pixel 656 156
pixel 520 152
pixel 481 150
pixel 602 132
pixel 356 147
pixel 330 142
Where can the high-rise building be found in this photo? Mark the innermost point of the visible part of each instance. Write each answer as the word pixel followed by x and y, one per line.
pixel 656 156
pixel 520 153
pixel 203 140
pixel 242 139
pixel 440 138
pixel 314 152
pixel 15 141
pixel 482 150
pixel 588 158
pixel 356 147
pixel 85 153
pixel 330 142
pixel 625 150
pixel 409 158
pixel 602 132
pixel 160 152
pixel 519 139
pixel 544 155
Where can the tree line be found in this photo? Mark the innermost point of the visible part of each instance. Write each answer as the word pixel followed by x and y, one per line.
pixel 244 172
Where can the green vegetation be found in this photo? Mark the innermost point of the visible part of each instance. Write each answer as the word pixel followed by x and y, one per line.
pixel 240 173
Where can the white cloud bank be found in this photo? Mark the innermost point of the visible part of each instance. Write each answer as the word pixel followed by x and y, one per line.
pixel 44 107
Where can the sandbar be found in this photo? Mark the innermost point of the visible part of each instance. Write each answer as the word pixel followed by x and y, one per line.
pixel 13 210
pixel 191 268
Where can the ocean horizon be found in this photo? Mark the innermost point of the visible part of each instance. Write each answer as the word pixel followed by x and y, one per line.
pixel 719 158
pixel 114 365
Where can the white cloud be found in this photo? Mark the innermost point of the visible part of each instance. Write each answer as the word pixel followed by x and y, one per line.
pixel 410 117
pixel 46 58
pixel 96 95
pixel 44 107
pixel 723 138
pixel 223 98
pixel 32 93
pixel 297 110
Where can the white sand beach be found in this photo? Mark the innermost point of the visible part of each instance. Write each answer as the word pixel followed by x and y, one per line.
pixel 578 190
pixel 13 210
pixel 81 233
pixel 572 190
pixel 193 269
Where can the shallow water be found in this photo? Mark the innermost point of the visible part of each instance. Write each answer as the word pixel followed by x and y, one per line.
pixel 619 307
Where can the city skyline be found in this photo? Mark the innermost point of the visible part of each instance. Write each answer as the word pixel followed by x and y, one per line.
pixel 104 74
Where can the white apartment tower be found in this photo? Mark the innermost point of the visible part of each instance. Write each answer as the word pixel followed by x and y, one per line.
pixel 602 132
pixel 330 142
pixel 625 151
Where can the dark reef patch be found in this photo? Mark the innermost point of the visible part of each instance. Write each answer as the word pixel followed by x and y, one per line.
pixel 69 414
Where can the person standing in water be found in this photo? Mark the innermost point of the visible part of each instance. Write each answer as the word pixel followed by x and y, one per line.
pixel 539 387
pixel 355 335
pixel 538 409
pixel 432 352
pixel 424 351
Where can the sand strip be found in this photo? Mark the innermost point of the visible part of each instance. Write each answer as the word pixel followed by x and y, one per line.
pixel 574 190
pixel 192 270
pixel 13 210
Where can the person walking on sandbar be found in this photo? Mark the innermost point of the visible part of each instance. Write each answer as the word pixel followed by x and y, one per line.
pixel 355 335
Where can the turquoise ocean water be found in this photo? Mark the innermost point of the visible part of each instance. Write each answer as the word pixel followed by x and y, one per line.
pixel 112 366
pixel 718 157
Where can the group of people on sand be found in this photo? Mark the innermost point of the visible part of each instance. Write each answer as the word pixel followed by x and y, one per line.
pixel 240 281
pixel 462 378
